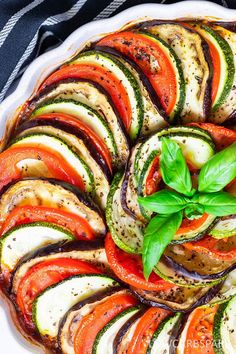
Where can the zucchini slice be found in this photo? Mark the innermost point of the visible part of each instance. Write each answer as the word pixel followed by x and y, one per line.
pixel 85 114
pixel 193 54
pixel 129 82
pixel 52 138
pixel 196 148
pixel 126 232
pixel 94 96
pixel 60 146
pixel 92 252
pixel 176 274
pixel 160 341
pixel 225 227
pixel 224 328
pixel 226 60
pixel 69 323
pixel 47 312
pixel 104 341
pixel 26 238
pixel 55 194
pixel 227 109
pixel 154 118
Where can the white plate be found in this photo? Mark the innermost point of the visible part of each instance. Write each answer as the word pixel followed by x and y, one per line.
pixel 11 341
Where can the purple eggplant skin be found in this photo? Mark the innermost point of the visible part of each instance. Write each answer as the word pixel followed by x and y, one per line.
pixel 58 248
pixel 68 128
pixel 122 331
pixel 32 104
pixel 123 191
pixel 144 26
pixel 179 269
pixel 143 78
pixel 212 292
pixel 176 332
pixel 94 298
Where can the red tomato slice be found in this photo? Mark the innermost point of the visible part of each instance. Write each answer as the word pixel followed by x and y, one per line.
pixel 151 59
pixel 100 145
pixel 58 167
pixel 213 247
pixel 199 337
pixel 43 275
pixel 128 268
pixel 221 136
pixel 190 225
pixel 154 177
pixel 145 329
pixel 104 78
pixel 26 214
pixel 91 324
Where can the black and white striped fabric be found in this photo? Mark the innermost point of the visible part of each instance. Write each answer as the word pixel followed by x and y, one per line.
pixel 29 28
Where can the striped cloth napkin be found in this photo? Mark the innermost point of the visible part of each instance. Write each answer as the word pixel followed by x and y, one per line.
pixel 29 28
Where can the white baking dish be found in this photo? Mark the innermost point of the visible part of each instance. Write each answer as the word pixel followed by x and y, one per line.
pixel 11 340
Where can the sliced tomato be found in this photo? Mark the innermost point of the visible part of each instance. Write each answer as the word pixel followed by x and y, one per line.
pixel 224 249
pixel 199 336
pixel 152 60
pixel 128 268
pixel 221 136
pixel 27 214
pixel 111 84
pixel 43 275
pixel 91 324
pixel 154 177
pixel 100 145
pixel 145 329
pixel 190 225
pixel 58 167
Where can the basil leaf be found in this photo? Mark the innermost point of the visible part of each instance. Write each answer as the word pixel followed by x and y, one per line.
pixel 158 234
pixel 218 204
pixel 218 171
pixel 174 169
pixel 164 202
pixel 194 211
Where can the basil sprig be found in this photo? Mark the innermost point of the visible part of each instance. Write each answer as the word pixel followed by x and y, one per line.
pixel 170 205
pixel 158 234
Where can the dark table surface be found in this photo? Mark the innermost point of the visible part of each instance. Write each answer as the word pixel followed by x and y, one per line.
pixel 29 28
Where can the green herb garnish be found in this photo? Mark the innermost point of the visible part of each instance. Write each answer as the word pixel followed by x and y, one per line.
pixel 183 200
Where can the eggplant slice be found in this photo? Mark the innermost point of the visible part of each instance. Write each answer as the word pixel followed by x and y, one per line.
pixel 55 194
pixel 92 252
pixel 181 299
pixel 93 95
pixel 193 53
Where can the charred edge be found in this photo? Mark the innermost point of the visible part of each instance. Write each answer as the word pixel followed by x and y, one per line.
pixel 204 299
pixel 32 104
pixel 179 269
pixel 122 331
pixel 70 129
pixel 231 120
pixel 230 26
pixel 147 24
pixel 143 78
pixel 176 332
pixel 123 191
pixel 207 104
pixel 94 298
